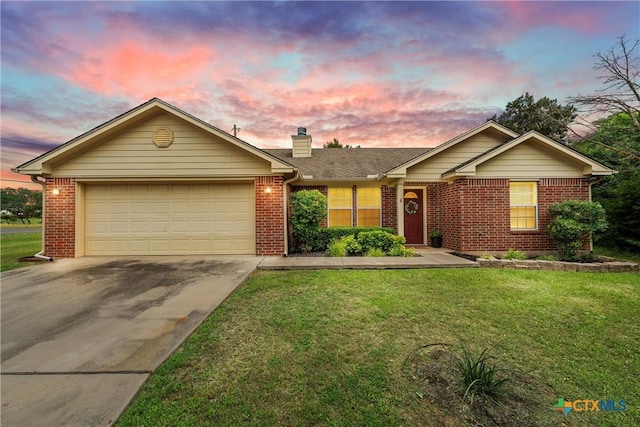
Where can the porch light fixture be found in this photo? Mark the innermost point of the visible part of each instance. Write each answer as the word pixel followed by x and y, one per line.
pixel 268 190
pixel 55 191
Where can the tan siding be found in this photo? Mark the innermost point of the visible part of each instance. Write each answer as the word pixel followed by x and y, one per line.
pixel 432 168
pixel 528 161
pixel 193 153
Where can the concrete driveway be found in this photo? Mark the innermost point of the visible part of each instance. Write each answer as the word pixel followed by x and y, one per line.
pixel 80 336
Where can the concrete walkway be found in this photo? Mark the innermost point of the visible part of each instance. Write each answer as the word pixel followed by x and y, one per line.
pixel 80 336
pixel 429 258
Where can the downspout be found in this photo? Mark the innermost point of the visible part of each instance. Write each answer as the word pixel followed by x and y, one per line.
pixel 40 254
pixel 284 204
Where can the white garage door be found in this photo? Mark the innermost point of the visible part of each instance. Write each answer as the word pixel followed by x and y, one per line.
pixel 169 219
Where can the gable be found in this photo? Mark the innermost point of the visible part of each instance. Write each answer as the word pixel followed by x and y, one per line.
pixel 530 160
pixel 121 149
pixel 434 166
pixel 133 153
pixel 530 155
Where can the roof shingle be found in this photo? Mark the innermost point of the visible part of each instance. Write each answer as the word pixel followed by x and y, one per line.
pixel 348 163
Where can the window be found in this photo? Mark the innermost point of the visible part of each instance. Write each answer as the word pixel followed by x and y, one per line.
pixel 523 198
pixel 340 204
pixel 369 201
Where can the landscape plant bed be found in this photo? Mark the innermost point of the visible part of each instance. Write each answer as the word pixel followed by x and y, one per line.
pixel 599 265
pixel 324 254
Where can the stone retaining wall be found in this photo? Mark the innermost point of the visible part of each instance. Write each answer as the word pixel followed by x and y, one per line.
pixel 608 266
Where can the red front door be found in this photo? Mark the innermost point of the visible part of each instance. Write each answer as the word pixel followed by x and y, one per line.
pixel 413 205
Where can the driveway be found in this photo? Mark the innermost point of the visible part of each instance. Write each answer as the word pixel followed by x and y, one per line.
pixel 80 336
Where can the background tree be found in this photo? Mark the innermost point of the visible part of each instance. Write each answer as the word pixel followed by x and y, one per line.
pixel 21 202
pixel 545 115
pixel 332 144
pixel 336 144
pixel 614 140
pixel 620 72
pixel 619 194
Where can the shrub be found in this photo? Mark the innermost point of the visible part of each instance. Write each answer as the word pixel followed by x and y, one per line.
pixel 308 209
pixel 401 251
pixel 487 255
pixel 327 235
pixel 375 252
pixel 337 248
pixel 351 245
pixel 379 239
pixel 514 254
pixel 546 257
pixel 573 223
pixel 478 375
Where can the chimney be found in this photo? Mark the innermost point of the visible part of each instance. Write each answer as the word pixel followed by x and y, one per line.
pixel 301 143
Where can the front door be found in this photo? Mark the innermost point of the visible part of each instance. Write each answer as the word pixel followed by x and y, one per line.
pixel 413 217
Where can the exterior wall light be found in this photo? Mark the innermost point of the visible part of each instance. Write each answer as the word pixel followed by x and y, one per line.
pixel 55 191
pixel 268 190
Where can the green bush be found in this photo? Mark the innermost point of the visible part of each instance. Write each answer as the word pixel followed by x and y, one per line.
pixel 328 235
pixel 337 248
pixel 379 239
pixel 308 210
pixel 573 223
pixel 546 258
pixel 514 254
pixel 351 245
pixel 375 252
pixel 401 251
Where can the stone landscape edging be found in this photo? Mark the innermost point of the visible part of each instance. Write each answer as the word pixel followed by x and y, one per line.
pixel 608 266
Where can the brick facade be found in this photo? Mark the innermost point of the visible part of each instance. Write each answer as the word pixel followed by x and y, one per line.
pixel 473 214
pixel 389 211
pixel 59 218
pixel 477 214
pixel 269 215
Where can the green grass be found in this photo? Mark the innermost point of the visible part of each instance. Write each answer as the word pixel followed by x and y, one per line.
pixel 34 223
pixel 15 246
pixel 329 347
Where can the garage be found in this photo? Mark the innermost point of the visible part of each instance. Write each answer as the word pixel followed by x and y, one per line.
pixel 169 219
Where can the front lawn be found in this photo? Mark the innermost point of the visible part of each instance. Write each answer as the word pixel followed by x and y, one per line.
pixel 18 245
pixel 343 348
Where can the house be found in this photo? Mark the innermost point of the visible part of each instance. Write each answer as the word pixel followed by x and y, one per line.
pixel 158 181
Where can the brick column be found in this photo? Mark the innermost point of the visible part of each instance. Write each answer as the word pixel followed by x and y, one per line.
pixel 269 215
pixel 60 218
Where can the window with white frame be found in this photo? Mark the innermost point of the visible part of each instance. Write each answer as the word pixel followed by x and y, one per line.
pixel 340 205
pixel 369 206
pixel 523 199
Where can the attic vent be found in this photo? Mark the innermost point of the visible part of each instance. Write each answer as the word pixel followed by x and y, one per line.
pixel 162 137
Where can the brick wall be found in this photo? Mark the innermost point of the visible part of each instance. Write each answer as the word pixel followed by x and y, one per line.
pixel 269 216
pixel 59 218
pixel 483 214
pixel 389 211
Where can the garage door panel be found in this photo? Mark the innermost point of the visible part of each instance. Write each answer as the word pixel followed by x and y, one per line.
pixel 170 219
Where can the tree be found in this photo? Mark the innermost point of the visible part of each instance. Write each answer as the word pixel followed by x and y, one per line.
pixel 336 144
pixel 620 68
pixel 616 143
pixel 545 115
pixel 21 202
pixel 332 144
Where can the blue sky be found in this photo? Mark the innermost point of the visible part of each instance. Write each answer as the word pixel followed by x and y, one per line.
pixel 368 73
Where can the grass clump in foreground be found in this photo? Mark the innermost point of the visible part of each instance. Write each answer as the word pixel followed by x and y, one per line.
pixel 18 245
pixel 338 348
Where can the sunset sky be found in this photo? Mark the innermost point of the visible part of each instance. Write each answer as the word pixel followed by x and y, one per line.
pixel 368 73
